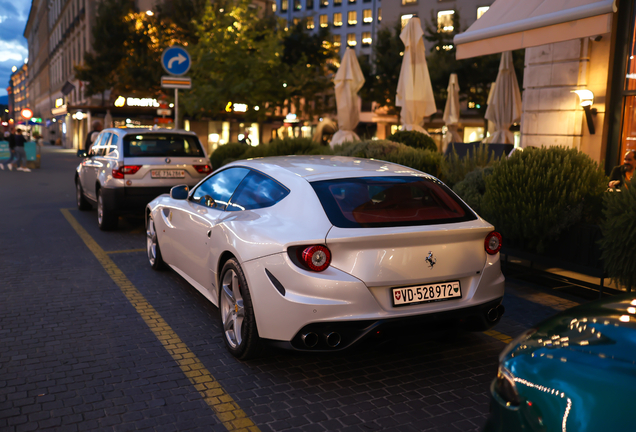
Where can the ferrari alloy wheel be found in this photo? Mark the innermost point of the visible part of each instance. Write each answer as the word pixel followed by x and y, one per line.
pixel 152 245
pixel 237 314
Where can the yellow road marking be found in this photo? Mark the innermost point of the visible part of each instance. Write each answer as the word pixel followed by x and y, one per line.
pixel 227 411
pixel 500 336
pixel 125 251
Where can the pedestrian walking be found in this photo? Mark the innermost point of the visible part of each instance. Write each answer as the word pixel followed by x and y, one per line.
pixel 11 138
pixel 92 135
pixel 20 152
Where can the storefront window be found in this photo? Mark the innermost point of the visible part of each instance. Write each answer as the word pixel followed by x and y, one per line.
pixel 628 138
pixel 628 121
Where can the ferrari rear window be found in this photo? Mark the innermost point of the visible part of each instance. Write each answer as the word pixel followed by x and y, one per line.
pixel 365 202
pixel 163 145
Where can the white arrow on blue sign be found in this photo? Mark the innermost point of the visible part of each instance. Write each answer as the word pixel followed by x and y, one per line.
pixel 176 60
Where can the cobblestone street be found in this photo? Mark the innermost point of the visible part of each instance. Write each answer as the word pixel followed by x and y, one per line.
pixel 76 353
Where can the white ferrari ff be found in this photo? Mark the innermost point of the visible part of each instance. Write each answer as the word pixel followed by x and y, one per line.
pixel 319 252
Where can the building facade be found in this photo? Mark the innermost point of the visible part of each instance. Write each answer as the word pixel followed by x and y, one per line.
pixel 19 93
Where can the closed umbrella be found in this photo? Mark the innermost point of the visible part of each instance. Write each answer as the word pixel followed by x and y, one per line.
pixel 451 112
pixel 505 105
pixel 349 80
pixel 414 90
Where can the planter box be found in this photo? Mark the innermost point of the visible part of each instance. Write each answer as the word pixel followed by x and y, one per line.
pixel 576 250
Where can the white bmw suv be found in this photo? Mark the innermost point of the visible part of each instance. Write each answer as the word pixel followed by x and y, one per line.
pixel 126 168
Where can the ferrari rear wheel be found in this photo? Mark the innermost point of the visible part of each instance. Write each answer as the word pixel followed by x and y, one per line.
pixel 237 313
pixel 152 245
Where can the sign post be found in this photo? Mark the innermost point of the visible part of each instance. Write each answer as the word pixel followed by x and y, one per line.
pixel 176 61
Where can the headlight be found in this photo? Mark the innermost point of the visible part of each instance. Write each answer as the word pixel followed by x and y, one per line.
pixel 506 388
pixel 516 341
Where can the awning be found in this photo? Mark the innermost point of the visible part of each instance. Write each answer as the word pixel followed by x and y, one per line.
pixel 514 24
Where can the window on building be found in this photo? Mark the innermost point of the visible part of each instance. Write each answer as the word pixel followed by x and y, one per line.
pixel 309 4
pixel 379 14
pixel 367 16
pixel 366 39
pixel 351 39
pixel 337 19
pixel 352 18
pixel 408 2
pixel 324 3
pixel 284 4
pixel 297 5
pixel 296 21
pixel 352 1
pixel 310 23
pixel 482 10
pixel 324 21
pixel 273 7
pixel 337 2
pixel 404 19
pixel 445 21
pixel 337 40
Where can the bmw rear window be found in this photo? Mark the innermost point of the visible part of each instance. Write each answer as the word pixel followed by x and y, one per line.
pixel 365 202
pixel 164 145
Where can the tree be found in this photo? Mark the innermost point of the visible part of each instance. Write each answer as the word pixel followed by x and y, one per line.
pixel 383 73
pixel 238 59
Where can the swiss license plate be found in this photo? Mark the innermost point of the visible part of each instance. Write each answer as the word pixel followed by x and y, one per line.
pixel 167 173
pixel 426 293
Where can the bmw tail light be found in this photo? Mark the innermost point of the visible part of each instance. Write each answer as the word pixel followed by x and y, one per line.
pixel 203 169
pixel 126 169
pixel 316 258
pixel 492 243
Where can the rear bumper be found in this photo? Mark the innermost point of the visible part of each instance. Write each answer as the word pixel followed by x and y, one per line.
pixel 347 333
pixel 128 200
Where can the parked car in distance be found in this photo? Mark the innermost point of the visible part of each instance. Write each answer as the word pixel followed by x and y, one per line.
pixel 575 372
pixel 126 168
pixel 315 253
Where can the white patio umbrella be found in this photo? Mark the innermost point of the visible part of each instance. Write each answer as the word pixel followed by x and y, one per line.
pixel 505 105
pixel 348 81
pixel 414 90
pixel 451 112
pixel 108 120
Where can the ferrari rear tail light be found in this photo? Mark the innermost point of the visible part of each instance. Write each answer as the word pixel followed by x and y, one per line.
pixel 316 258
pixel 203 169
pixel 126 169
pixel 492 243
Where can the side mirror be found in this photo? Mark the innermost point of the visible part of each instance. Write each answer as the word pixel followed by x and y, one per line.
pixel 179 192
pixel 82 153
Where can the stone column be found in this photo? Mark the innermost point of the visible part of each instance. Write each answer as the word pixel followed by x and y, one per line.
pixel 552 115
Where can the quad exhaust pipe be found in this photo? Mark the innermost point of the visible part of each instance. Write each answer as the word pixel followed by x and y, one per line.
pixel 311 339
pixel 495 313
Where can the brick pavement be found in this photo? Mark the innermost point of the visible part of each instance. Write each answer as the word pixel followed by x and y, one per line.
pixel 75 354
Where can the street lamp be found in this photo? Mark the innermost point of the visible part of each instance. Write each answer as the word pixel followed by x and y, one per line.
pixel 586 98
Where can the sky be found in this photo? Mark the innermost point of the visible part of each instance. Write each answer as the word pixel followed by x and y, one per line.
pixel 13 45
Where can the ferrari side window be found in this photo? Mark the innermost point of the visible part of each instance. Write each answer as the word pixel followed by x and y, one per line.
pixel 216 191
pixel 257 191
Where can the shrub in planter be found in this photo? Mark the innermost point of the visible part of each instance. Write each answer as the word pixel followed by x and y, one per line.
pixel 227 153
pixel 423 160
pixel 618 246
pixel 455 168
pixel 278 147
pixel 532 196
pixel 414 139
pixel 473 187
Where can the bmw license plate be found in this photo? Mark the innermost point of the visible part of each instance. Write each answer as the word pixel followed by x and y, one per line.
pixel 426 293
pixel 167 173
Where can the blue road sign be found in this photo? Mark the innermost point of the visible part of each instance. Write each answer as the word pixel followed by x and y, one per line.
pixel 176 60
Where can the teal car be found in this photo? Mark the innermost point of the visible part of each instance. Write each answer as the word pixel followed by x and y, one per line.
pixel 574 372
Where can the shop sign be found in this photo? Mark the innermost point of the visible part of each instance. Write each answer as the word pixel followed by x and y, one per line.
pixel 136 102
pixel 164 112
